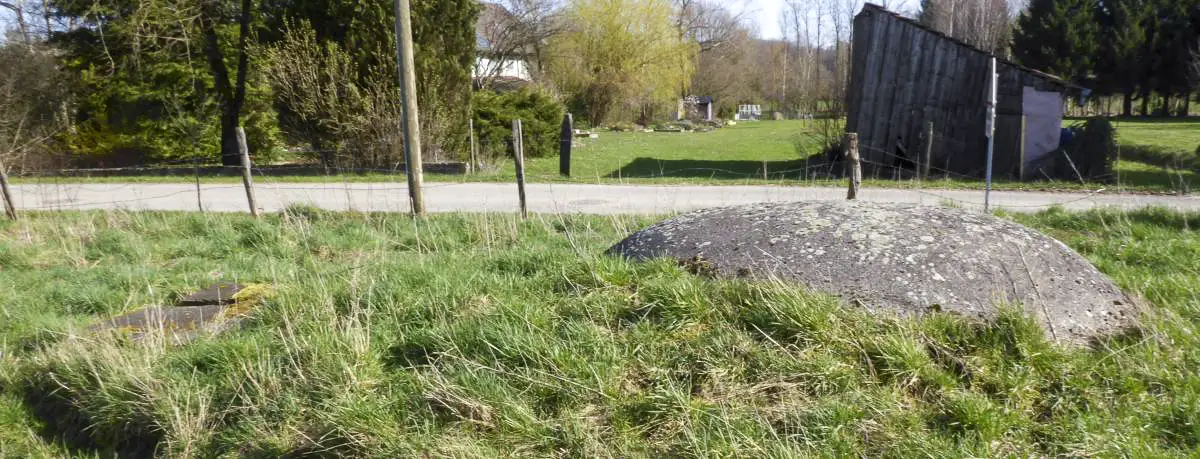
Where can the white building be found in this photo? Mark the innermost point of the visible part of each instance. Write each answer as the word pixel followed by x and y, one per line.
pixel 498 55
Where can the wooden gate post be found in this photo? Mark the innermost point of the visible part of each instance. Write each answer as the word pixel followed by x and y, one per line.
pixel 853 165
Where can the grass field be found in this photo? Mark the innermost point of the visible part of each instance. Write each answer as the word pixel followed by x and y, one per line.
pixel 1159 157
pixel 484 336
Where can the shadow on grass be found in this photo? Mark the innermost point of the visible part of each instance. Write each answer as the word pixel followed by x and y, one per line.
pixel 64 424
pixel 718 169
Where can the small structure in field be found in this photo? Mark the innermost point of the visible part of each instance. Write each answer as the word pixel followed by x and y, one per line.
pixel 696 108
pixel 904 259
pixel 748 113
pixel 905 75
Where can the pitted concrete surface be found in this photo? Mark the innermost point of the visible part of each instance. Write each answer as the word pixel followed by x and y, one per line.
pixel 903 258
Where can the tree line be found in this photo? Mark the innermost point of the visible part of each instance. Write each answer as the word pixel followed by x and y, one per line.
pixel 1145 51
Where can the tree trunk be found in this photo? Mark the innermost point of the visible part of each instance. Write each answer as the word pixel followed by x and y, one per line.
pixel 232 96
pixel 1127 104
pixel 46 17
pixel 1166 110
pixel 1187 104
pixel 18 10
pixel 1145 103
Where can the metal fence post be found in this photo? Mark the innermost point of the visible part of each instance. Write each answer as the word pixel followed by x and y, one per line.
pixel 990 131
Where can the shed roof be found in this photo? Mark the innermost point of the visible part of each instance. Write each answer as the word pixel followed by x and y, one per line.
pixel 869 8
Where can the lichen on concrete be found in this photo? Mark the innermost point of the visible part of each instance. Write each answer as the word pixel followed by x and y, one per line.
pixel 903 258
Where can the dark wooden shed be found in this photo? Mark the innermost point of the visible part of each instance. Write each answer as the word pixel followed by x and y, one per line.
pixel 904 75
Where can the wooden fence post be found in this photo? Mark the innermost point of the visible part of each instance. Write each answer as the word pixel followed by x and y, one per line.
pixel 9 208
pixel 519 156
pixel 247 178
pixel 853 165
pixel 474 165
pixel 925 165
pixel 196 171
pixel 1021 167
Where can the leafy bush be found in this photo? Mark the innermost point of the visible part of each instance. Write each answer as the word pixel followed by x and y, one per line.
pixel 540 115
pixel 348 121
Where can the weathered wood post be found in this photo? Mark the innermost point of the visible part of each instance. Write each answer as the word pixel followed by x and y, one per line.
pixel 853 165
pixel 196 170
pixel 247 178
pixel 565 142
pixel 928 160
pixel 1021 144
pixel 519 156
pixel 9 208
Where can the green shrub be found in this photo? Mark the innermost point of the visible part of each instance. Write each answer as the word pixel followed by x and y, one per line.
pixel 540 115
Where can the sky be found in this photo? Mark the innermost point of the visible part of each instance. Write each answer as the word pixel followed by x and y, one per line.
pixel 764 15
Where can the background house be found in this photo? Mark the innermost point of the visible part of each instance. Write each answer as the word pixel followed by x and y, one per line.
pixel 904 75
pixel 500 53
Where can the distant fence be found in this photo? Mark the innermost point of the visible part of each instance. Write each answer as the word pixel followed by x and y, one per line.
pixel 455 168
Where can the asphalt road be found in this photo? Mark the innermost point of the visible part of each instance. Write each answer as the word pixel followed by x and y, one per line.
pixel 544 198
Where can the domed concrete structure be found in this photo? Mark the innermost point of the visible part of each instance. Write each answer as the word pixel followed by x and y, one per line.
pixel 903 258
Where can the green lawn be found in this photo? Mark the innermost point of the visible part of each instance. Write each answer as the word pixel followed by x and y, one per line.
pixel 738 152
pixel 486 336
pixel 1162 152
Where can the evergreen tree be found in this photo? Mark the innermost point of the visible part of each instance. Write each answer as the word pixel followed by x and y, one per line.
pixel 152 81
pixel 1126 26
pixel 1060 37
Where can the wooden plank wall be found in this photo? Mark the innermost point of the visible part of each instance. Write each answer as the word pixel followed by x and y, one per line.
pixel 904 75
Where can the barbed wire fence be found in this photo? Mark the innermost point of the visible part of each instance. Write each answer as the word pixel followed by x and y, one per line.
pixel 343 184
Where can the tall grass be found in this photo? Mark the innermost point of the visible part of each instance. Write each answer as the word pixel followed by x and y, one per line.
pixel 484 335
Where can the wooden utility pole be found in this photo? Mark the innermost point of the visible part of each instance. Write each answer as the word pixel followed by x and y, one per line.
pixel 247 178
pixel 408 95
pixel 853 166
pixel 9 208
